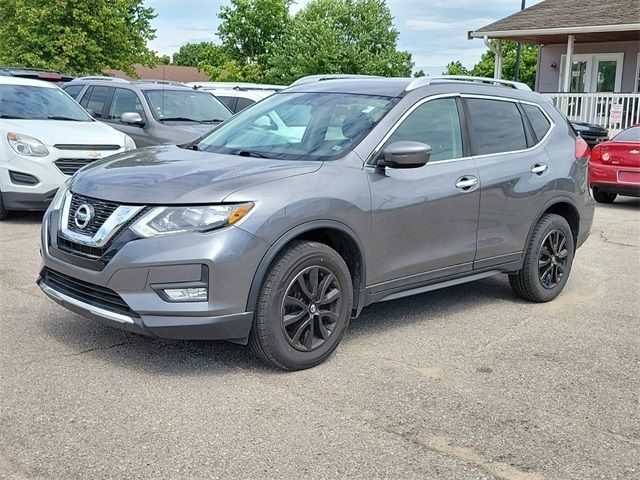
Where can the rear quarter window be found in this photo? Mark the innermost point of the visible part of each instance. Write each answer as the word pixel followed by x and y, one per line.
pixel 496 126
pixel 73 90
pixel 539 122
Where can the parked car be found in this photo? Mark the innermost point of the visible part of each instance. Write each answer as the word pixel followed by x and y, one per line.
pixel 593 134
pixel 152 112
pixel 57 78
pixel 44 138
pixel 238 96
pixel 614 167
pixel 397 187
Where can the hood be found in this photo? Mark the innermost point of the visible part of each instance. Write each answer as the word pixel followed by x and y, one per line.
pixel 588 127
pixel 169 175
pixel 53 132
pixel 186 133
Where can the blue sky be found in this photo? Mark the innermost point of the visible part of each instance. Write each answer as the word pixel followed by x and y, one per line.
pixel 435 32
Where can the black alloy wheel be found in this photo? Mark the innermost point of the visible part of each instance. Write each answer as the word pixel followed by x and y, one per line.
pixel 552 259
pixel 310 308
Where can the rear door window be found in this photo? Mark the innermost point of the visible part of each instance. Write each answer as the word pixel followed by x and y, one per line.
pixel 495 126
pixel 539 122
pixel 94 99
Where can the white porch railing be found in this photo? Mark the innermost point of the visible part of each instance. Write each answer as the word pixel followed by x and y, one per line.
pixel 614 111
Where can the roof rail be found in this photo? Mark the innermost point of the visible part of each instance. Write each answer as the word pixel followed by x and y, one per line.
pixel 161 82
pixel 103 78
pixel 321 78
pixel 432 80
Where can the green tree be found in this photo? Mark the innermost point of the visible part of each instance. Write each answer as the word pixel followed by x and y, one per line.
pixel 164 60
pixel 339 36
pixel 249 28
pixel 419 73
pixel 456 68
pixel 484 67
pixel 200 55
pixel 76 36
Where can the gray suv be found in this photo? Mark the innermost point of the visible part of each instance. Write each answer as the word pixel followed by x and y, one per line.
pixel 151 112
pixel 282 224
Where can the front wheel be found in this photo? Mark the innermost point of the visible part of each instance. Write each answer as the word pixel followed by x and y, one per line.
pixel 304 307
pixel 3 211
pixel 547 261
pixel 603 197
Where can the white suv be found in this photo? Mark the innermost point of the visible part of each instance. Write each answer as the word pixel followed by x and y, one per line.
pixel 45 137
pixel 237 96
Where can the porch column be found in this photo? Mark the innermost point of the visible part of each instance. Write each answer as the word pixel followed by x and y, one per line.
pixel 567 64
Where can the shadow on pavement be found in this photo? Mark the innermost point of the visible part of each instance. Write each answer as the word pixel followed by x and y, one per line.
pixel 178 357
pixel 23 218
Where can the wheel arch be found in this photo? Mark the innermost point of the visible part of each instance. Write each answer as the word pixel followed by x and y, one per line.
pixel 566 208
pixel 336 235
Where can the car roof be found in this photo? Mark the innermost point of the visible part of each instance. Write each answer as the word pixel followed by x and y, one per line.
pixel 398 87
pixel 136 84
pixel 25 81
pixel 241 86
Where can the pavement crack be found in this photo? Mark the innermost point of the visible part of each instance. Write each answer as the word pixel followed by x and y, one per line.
pixel 94 349
pixel 621 244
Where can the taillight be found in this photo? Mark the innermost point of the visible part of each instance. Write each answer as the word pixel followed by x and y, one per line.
pixel 582 149
pixel 599 154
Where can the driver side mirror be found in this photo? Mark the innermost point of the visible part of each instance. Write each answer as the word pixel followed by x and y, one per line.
pixel 132 118
pixel 404 155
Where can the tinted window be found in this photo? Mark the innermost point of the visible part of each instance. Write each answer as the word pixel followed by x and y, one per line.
pixel 243 103
pixel 124 100
pixel 496 126
pixel 538 121
pixel 35 103
pixel 73 90
pixel 630 135
pixel 94 99
pixel 435 123
pixel 230 102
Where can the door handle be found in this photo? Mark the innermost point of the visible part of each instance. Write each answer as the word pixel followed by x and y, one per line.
pixel 466 183
pixel 539 168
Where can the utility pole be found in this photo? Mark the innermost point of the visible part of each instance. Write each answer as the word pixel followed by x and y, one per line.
pixel 517 72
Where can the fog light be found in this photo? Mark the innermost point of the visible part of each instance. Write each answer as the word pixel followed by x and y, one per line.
pixel 186 294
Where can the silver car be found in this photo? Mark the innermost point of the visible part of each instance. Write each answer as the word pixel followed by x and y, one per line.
pixel 287 220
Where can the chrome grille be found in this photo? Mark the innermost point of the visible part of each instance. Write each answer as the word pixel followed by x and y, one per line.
pixel 69 166
pixel 102 211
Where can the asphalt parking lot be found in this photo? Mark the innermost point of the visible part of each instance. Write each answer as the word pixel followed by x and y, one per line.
pixel 455 384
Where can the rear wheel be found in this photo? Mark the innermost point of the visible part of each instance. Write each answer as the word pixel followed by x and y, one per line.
pixel 603 197
pixel 547 261
pixel 304 307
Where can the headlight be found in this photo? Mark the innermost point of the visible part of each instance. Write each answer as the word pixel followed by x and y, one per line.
pixel 27 146
pixel 168 220
pixel 58 199
pixel 129 144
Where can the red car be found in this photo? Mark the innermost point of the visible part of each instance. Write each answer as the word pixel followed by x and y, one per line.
pixel 614 167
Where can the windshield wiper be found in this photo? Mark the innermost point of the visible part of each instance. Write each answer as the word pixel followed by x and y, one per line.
pixel 247 153
pixel 60 117
pixel 13 117
pixel 213 120
pixel 178 119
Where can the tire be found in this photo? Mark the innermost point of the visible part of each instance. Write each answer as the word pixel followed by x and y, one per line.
pixel 547 261
pixel 603 197
pixel 313 329
pixel 3 211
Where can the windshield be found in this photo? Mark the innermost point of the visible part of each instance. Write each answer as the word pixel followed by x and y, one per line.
pixel 630 135
pixel 186 106
pixel 299 126
pixel 28 102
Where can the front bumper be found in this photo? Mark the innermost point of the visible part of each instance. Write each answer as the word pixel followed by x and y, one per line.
pixel 141 267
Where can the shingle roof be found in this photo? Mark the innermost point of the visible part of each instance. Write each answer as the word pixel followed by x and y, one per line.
pixel 569 13
pixel 173 73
